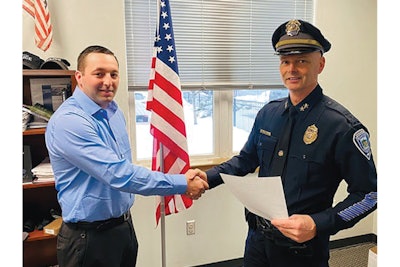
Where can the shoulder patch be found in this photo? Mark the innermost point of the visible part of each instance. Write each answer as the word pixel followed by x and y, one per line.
pixel 361 140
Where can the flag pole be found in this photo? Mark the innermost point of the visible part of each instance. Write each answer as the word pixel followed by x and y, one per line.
pixel 162 169
pixel 162 206
pixel 162 211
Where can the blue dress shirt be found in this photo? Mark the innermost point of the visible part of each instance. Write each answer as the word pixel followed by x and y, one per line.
pixel 90 155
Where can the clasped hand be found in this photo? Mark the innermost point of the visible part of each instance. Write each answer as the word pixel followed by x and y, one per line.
pixel 196 183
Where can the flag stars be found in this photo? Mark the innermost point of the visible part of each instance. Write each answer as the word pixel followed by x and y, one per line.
pixel 170 48
pixel 164 45
pixel 166 26
pixel 168 37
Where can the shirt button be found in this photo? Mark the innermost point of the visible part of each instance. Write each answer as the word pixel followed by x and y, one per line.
pixel 280 153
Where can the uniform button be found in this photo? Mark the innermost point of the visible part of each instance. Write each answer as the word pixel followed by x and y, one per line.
pixel 280 153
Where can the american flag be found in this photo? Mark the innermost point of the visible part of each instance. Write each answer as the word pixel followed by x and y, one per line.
pixel 167 123
pixel 39 10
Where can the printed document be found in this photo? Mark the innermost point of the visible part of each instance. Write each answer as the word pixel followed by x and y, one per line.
pixel 263 196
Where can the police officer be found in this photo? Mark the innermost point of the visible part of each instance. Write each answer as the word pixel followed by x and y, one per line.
pixel 313 143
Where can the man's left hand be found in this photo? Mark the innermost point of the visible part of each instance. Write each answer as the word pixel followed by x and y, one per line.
pixel 297 227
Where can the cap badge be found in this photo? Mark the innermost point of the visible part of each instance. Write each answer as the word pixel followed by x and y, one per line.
pixel 310 134
pixel 293 27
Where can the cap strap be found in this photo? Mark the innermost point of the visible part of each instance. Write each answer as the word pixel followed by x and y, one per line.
pixel 298 41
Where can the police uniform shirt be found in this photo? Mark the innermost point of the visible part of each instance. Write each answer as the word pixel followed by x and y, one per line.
pixel 328 145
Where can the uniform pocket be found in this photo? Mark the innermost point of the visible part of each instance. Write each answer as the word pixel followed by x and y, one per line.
pixel 265 150
pixel 310 171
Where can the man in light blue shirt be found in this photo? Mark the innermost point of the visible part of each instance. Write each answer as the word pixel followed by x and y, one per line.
pixel 96 181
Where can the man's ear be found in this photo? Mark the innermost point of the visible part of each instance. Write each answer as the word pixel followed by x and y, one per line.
pixel 321 64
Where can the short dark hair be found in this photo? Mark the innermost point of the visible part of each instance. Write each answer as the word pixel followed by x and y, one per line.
pixel 92 49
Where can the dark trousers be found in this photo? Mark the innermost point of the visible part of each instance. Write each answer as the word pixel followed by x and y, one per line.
pixel 114 247
pixel 261 251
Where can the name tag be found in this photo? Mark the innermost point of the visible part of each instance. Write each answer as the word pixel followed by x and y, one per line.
pixel 265 132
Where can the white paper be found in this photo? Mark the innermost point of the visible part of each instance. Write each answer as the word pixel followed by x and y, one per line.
pixel 261 195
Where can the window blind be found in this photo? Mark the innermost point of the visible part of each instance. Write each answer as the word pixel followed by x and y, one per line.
pixel 219 43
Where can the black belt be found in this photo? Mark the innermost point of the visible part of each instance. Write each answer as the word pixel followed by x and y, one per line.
pixel 101 225
pixel 272 233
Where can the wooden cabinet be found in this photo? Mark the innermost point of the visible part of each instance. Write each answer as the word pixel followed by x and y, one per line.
pixel 39 249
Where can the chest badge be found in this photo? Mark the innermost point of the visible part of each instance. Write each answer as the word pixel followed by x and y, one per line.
pixel 310 134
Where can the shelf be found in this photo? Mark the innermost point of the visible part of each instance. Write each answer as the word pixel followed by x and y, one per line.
pixel 38 235
pixel 48 73
pixel 38 185
pixel 27 75
pixel 39 249
pixel 36 131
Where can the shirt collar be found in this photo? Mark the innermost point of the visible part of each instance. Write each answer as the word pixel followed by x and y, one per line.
pixel 307 103
pixel 91 107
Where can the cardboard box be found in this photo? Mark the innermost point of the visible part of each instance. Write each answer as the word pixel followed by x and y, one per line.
pixel 372 257
pixel 54 227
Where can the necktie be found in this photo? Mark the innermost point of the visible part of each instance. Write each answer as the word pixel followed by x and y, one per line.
pixel 282 148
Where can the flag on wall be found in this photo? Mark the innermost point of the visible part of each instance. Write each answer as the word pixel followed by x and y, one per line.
pixel 167 125
pixel 39 10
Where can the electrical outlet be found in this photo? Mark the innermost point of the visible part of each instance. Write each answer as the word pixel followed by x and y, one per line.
pixel 190 227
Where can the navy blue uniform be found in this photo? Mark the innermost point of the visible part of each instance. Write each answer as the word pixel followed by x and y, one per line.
pixel 328 145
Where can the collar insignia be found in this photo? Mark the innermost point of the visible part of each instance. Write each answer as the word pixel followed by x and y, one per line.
pixel 310 134
pixel 304 106
pixel 286 104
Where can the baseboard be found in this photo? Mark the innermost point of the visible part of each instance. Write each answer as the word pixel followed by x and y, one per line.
pixel 229 263
pixel 339 243
pixel 354 240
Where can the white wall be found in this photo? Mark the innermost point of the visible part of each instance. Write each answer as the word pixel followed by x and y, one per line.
pixel 78 24
pixel 349 77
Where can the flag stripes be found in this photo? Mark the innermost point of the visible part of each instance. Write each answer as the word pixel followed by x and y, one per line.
pixel 29 7
pixel 38 9
pixel 167 124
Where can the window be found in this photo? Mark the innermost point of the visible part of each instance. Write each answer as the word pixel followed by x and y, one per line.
pixel 226 62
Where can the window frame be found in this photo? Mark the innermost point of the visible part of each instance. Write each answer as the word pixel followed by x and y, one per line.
pixel 223 92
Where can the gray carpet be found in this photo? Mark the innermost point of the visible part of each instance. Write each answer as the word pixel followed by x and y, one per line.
pixel 351 256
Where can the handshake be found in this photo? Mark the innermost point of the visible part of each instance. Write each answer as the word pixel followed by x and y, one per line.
pixel 196 183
